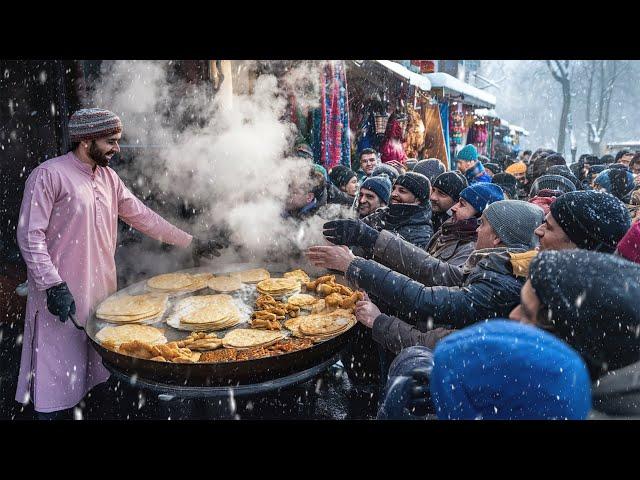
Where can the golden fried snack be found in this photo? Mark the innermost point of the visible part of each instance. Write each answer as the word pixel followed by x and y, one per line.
pixel 333 300
pixel 264 315
pixel 138 349
pixel 314 284
pixel 264 324
pixel 350 301
pixel 159 358
pixel 221 355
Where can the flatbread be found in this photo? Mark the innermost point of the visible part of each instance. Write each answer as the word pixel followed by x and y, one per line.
pixel 251 276
pixel 171 281
pixel 224 284
pixel 298 274
pixel 246 338
pixel 302 300
pixel 128 333
pixel 132 306
pixel 211 314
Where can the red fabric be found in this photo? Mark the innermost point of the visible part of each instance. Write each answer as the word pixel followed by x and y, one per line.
pixel 543 202
pixel 391 148
pixel 629 246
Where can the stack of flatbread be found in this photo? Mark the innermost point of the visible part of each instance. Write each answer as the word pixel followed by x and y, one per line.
pixel 241 338
pixel 279 287
pixel 113 337
pixel 255 275
pixel 321 326
pixel 147 308
pixel 205 313
pixel 224 284
pixel 177 283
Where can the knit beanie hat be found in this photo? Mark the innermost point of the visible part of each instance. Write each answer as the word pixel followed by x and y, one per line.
pixel 505 370
pixel 543 202
pixel 469 153
pixel 319 168
pixel 494 167
pixel 417 184
pixel 514 221
pixel 592 304
pixel 518 167
pixel 93 123
pixel 451 183
pixel 551 182
pixel 411 163
pixel 381 185
pixel 385 169
pixel 629 246
pixel 592 220
pixel 430 168
pixel 341 175
pixel 564 171
pixel 481 195
pixel 507 182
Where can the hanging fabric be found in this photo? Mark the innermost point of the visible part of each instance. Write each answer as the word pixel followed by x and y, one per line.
pixel 444 119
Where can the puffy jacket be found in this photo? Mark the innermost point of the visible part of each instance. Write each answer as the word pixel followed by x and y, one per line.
pixel 486 288
pixel 441 264
pixel 411 222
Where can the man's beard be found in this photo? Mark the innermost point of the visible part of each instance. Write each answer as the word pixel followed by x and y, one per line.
pixel 97 156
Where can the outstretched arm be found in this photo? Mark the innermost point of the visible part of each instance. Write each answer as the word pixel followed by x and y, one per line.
pixel 135 213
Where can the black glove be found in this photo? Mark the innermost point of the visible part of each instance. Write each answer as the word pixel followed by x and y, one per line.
pixel 60 302
pixel 207 248
pixel 419 401
pixel 350 233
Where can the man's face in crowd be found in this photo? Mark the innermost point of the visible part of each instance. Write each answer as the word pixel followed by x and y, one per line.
pixel 464 165
pixel 103 149
pixel 299 197
pixel 635 169
pixel 368 162
pixel 399 194
pixel 368 202
pixel 551 235
pixel 440 201
pixel 626 159
pixel 351 187
pixel 463 210
pixel 487 236
pixel 519 176
pixel 529 308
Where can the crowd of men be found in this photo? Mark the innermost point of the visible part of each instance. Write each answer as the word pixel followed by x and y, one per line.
pixel 498 290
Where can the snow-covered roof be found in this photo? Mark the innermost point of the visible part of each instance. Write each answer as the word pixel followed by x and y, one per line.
pixel 415 79
pixel 635 143
pixel 485 112
pixel 520 130
pixel 471 94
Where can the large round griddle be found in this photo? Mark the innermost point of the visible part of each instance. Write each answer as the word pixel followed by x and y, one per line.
pixel 216 374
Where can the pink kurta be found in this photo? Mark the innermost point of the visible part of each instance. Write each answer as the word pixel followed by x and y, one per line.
pixel 67 232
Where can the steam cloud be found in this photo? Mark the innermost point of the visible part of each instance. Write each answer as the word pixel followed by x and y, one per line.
pixel 232 161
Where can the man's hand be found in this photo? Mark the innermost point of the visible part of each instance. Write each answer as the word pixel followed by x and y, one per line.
pixel 350 232
pixel 367 312
pixel 60 302
pixel 334 257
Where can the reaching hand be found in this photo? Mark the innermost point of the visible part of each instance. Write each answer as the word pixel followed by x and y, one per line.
pixel 60 302
pixel 367 312
pixel 206 248
pixel 334 257
pixel 350 232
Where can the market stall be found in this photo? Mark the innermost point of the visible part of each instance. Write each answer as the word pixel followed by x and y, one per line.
pixel 457 101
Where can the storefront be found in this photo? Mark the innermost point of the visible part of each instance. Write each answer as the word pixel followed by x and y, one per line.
pixel 457 103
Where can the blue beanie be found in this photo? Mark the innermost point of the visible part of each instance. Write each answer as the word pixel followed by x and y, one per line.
pixel 505 370
pixel 618 187
pixel 481 195
pixel 381 185
pixel 468 153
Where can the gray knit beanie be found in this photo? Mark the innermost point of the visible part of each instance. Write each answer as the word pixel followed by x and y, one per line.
pixel 515 221
pixel 93 123
pixel 551 182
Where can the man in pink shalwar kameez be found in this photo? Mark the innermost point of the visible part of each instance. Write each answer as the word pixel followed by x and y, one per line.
pixel 67 233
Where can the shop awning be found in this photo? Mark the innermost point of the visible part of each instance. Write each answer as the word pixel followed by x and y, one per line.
pixel 518 129
pixel 485 112
pixel 415 79
pixel 470 94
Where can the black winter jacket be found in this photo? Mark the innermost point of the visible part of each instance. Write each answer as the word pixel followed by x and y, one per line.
pixel 487 288
pixel 411 222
